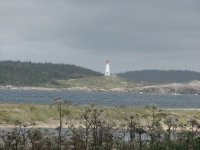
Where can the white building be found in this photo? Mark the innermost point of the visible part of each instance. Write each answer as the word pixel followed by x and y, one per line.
pixel 107 69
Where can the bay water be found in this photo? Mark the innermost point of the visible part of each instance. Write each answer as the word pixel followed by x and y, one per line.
pixel 100 98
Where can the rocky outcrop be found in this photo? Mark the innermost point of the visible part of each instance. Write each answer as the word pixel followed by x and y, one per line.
pixel 174 88
pixel 192 87
pixel 87 89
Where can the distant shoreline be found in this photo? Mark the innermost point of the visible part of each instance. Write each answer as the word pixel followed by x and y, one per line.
pixel 170 88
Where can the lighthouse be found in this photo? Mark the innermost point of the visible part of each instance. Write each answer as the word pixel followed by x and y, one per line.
pixel 107 69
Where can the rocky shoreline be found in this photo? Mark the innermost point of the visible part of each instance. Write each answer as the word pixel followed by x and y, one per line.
pixel 192 87
pixel 174 88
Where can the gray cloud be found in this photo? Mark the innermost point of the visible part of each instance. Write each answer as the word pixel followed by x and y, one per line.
pixel 134 35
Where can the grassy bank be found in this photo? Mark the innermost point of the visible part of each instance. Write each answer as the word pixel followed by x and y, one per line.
pixel 101 82
pixel 99 128
pixel 95 82
pixel 10 112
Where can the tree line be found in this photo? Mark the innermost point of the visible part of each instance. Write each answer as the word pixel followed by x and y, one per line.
pixel 34 74
pixel 162 76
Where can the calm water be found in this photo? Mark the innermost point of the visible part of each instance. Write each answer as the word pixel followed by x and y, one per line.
pixel 101 98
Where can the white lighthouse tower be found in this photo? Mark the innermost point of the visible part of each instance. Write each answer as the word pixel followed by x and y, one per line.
pixel 107 69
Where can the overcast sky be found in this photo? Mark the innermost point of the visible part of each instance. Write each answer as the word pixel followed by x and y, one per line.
pixel 131 34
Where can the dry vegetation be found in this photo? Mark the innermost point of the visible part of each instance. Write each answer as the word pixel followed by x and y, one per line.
pixel 10 112
pixel 93 127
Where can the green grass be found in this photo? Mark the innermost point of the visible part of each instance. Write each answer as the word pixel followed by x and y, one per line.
pixel 95 82
pixel 9 112
pixel 102 82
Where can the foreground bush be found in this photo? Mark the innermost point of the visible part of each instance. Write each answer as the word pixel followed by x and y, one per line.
pixel 136 132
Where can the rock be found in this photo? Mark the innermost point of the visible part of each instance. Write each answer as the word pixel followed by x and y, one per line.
pixel 192 87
